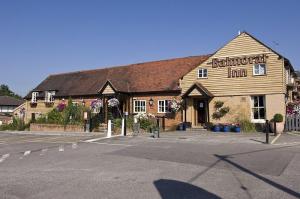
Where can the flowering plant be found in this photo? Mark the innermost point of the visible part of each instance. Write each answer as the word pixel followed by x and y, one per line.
pixel 22 111
pixel 96 105
pixel 141 116
pixel 175 105
pixel 144 116
pixel 60 107
pixel 293 108
pixel 113 102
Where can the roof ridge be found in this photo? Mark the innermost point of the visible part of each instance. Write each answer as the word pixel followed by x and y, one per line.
pixel 121 66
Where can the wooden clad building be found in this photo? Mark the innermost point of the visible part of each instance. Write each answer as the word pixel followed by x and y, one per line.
pixel 253 80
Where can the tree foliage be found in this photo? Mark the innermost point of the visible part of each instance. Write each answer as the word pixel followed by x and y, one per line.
pixel 5 91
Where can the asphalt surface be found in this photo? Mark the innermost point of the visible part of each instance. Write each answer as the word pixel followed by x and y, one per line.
pixel 177 165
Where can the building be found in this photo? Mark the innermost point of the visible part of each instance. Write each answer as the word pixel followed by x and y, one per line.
pixel 7 106
pixel 250 78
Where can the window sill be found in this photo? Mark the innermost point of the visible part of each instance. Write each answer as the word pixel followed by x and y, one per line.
pixel 258 121
pixel 259 75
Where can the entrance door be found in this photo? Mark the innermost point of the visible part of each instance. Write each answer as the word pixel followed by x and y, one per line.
pixel 201 111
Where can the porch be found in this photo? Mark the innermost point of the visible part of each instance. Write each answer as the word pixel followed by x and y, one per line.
pixel 196 110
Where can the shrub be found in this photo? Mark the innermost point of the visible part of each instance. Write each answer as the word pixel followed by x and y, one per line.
pixel 218 104
pixel 220 111
pixel 117 122
pixel 145 124
pixel 72 114
pixel 278 117
pixel 224 110
pixel 16 125
pixel 55 117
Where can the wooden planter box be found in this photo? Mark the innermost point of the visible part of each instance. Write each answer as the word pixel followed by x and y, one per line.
pixel 56 128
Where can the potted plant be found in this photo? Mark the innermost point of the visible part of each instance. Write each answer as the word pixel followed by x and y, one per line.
pixel 237 128
pixel 226 128
pixel 217 128
pixel 278 120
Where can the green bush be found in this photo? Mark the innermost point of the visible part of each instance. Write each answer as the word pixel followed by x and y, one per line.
pixel 218 104
pixel 72 114
pixel 55 117
pixel 117 122
pixel 40 120
pixel 278 117
pixel 16 125
pixel 224 110
pixel 220 111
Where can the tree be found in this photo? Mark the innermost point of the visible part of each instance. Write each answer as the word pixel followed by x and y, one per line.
pixel 5 91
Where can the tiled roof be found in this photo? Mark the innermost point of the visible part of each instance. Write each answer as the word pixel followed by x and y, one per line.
pixel 153 76
pixel 10 101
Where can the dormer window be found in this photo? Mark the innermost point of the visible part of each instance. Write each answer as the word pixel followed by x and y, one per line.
pixel 49 96
pixel 34 96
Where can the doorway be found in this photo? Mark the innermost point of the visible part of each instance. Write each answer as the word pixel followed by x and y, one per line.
pixel 201 111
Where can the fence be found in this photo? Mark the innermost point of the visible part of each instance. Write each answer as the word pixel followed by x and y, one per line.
pixel 292 123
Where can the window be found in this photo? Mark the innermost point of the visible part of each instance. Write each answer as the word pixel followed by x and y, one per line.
pixel 259 69
pixel 202 73
pixel 139 106
pixel 163 106
pixel 49 96
pixel 34 96
pixel 258 107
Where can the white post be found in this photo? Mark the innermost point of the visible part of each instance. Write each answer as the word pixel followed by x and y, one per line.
pixel 109 129
pixel 123 127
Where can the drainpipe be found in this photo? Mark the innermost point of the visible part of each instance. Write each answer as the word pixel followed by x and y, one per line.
pixel 185 104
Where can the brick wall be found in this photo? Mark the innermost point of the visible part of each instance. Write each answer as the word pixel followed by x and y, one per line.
pixel 56 128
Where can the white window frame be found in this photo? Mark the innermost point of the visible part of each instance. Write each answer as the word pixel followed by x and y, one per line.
pixel 164 107
pixel 34 96
pixel 203 71
pixel 258 120
pixel 259 69
pixel 49 96
pixel 139 107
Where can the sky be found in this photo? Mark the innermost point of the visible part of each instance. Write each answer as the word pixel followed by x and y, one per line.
pixel 39 38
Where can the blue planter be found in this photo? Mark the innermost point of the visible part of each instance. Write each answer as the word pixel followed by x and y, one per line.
pixel 216 128
pixel 237 129
pixel 226 128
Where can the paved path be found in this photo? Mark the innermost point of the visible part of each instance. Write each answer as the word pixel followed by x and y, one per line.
pixel 175 166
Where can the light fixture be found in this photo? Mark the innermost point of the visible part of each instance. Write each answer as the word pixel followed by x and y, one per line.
pixel 151 102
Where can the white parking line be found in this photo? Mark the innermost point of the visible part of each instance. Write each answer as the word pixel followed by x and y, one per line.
pixel 61 148
pixel 102 138
pixel 276 138
pixel 105 143
pixel 4 157
pixel 74 145
pixel 43 151
pixel 27 153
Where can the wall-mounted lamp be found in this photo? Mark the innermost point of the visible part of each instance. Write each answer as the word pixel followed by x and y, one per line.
pixel 151 102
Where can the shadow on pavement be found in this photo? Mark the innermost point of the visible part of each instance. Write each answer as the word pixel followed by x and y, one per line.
pixel 225 158
pixel 173 189
pixel 266 180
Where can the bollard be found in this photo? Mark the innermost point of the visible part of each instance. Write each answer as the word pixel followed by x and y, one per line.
pixel 267 131
pixel 275 130
pixel 163 123
pixel 109 129
pixel 123 127
pixel 158 127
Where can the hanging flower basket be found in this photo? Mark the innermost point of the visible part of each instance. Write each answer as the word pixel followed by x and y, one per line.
pixel 96 105
pixel 113 102
pixel 175 105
